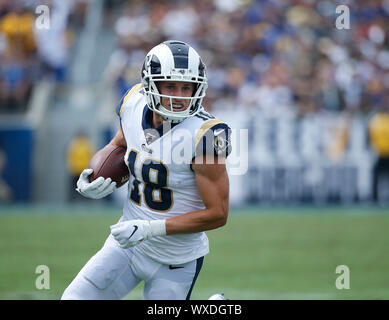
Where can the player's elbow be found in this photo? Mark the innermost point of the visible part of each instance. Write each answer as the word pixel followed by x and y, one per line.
pixel 223 221
pixel 221 215
pixel 224 217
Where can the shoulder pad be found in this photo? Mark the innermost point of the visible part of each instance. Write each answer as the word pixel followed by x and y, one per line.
pixel 126 96
pixel 213 138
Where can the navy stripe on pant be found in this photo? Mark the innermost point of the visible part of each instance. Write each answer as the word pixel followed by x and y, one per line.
pixel 199 264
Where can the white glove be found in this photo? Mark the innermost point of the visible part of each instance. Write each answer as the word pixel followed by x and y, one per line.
pixel 132 232
pixel 96 189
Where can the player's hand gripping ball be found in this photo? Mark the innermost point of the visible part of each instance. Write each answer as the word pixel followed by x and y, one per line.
pixel 109 163
pixel 107 170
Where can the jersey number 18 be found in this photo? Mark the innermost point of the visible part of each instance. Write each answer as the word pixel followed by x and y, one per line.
pixel 155 176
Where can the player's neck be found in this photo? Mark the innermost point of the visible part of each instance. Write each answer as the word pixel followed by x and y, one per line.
pixel 157 120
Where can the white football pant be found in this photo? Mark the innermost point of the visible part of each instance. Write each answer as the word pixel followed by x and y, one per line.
pixel 114 272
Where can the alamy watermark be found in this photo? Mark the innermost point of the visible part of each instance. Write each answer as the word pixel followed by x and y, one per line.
pixel 42 21
pixel 43 280
pixel 343 19
pixel 181 145
pixel 342 281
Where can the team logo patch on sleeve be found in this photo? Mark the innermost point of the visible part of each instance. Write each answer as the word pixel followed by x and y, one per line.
pixel 215 139
pixel 220 144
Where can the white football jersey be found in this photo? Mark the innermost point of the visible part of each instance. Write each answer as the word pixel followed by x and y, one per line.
pixel 162 183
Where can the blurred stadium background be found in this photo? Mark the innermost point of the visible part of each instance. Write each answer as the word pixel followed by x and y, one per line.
pixel 314 99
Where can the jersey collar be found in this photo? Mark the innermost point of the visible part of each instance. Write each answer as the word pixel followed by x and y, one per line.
pixel 147 121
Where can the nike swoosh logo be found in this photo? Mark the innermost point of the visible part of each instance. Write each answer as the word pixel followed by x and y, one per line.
pixel 172 267
pixel 218 132
pixel 135 228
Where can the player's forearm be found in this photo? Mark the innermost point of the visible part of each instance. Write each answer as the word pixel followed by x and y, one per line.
pixel 197 221
pixel 118 140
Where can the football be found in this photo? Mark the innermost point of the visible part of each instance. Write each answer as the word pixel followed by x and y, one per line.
pixel 109 163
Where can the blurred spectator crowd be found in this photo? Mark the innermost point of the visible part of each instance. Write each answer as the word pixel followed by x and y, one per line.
pixel 28 53
pixel 17 50
pixel 272 56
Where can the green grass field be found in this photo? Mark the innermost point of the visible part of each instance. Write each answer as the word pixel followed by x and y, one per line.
pixel 262 253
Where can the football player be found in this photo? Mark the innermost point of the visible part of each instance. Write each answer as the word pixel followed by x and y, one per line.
pixel 160 237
